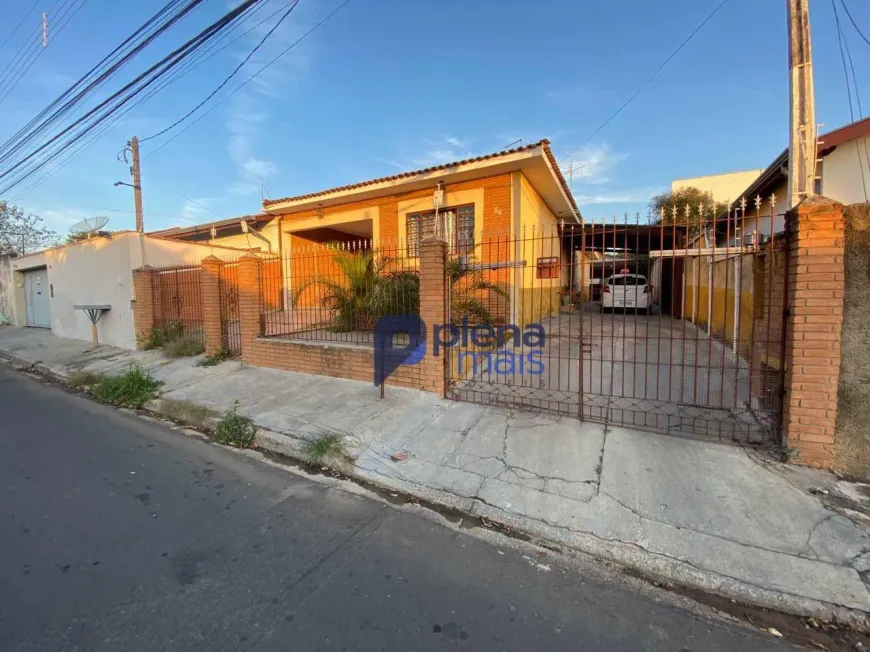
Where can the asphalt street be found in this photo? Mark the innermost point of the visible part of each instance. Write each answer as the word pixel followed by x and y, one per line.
pixel 122 534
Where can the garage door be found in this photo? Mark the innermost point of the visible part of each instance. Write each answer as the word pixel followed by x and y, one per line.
pixel 36 298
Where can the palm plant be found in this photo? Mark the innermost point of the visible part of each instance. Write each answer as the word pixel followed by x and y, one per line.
pixel 467 286
pixel 365 291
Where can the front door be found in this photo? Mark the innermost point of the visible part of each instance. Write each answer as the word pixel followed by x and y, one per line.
pixel 36 297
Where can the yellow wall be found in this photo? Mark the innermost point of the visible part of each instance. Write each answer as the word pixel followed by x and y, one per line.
pixel 724 292
pixel 538 237
pixel 723 187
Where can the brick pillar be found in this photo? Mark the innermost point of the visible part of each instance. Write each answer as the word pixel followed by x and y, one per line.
pixel 250 310
pixel 814 318
pixel 433 310
pixel 213 328
pixel 144 305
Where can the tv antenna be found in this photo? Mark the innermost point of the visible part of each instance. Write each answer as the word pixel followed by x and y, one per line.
pixel 88 226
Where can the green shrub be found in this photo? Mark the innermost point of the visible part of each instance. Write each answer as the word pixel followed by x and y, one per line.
pixel 160 335
pixel 235 429
pixel 215 359
pixel 326 446
pixel 132 389
pixel 182 347
pixel 84 379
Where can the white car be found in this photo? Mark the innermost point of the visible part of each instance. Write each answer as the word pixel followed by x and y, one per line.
pixel 628 292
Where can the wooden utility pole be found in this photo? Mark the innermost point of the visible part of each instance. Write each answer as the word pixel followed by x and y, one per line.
pixel 802 112
pixel 137 184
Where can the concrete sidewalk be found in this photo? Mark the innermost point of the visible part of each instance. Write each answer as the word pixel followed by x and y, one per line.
pixel 704 515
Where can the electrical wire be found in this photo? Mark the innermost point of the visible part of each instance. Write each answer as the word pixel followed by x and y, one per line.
pixel 18 26
pixel 117 100
pixel 251 78
pixel 88 85
pixel 648 79
pixel 854 24
pixel 63 18
pixel 844 51
pixel 228 78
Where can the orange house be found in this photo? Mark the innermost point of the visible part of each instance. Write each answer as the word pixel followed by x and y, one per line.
pixel 501 212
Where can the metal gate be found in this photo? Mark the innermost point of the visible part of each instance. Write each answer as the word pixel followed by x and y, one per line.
pixel 228 284
pixel 674 326
pixel 37 298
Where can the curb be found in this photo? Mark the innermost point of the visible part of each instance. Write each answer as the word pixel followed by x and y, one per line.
pixel 633 559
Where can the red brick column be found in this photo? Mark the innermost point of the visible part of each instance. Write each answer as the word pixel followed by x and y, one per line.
pixel 250 313
pixel 213 329
pixel 433 310
pixel 143 303
pixel 814 319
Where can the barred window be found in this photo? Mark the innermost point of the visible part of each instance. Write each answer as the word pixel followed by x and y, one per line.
pixel 458 229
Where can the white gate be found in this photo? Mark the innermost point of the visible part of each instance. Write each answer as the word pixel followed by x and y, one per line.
pixel 36 298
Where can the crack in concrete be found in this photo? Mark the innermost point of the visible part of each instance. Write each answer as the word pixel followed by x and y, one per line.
pixel 813 529
pixel 729 539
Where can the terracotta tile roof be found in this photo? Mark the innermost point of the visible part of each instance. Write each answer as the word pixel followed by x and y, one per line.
pixel 435 168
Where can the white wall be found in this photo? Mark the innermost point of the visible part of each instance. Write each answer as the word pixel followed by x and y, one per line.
pixel 97 272
pixel 846 172
pixel 252 241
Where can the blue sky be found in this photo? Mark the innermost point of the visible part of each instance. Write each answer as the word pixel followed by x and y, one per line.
pixel 390 85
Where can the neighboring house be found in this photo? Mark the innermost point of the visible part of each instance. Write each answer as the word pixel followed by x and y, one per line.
pixel 45 286
pixel 843 174
pixel 513 195
pixel 723 187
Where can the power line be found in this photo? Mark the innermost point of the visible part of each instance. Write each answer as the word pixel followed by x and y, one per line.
pixel 230 76
pixel 252 77
pixel 99 114
pixel 18 26
pixel 63 18
pixel 844 52
pixel 854 24
pixel 34 127
pixel 649 79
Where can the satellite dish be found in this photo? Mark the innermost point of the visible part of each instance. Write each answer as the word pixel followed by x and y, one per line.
pixel 88 226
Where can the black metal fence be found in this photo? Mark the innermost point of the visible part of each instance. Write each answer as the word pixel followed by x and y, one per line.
pixel 336 292
pixel 674 325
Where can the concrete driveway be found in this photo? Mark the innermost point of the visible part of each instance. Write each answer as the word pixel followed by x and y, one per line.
pixel 647 371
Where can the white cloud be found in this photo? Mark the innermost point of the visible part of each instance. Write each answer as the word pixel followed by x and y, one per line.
pixel 592 164
pixel 196 211
pixel 249 110
pixel 455 142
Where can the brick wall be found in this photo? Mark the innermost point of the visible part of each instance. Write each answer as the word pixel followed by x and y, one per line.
pixel 143 308
pixel 213 326
pixel 354 362
pixel 813 332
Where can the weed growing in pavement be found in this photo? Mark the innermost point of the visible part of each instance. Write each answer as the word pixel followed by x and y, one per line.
pixel 182 347
pixel 326 446
pixel 215 359
pixel 131 389
pixel 235 429
pixel 187 412
pixel 84 379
